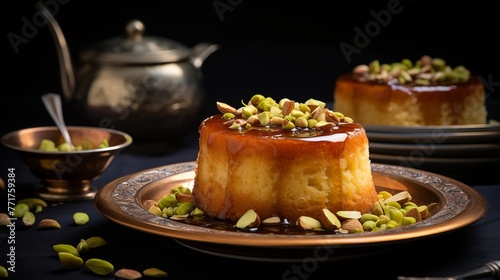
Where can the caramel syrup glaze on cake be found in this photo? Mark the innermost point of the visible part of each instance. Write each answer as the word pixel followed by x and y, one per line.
pixel 281 172
pixel 379 101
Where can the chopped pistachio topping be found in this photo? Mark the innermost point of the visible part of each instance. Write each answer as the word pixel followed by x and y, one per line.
pixel 288 114
pixel 425 71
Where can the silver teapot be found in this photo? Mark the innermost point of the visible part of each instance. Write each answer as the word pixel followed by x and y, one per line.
pixel 149 87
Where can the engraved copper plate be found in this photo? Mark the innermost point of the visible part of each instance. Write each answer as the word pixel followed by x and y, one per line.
pixel 123 201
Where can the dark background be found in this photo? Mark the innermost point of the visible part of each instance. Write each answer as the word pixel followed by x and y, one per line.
pixel 277 48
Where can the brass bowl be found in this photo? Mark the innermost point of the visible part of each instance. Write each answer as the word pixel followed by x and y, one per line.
pixel 66 175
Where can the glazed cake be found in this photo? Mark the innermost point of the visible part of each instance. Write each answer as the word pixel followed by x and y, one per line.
pixel 427 92
pixel 284 159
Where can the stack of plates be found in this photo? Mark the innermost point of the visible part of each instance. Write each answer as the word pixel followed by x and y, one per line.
pixel 463 152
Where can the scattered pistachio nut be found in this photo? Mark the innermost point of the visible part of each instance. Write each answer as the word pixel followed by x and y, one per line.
pixel 99 266
pixel 4 273
pixel 168 200
pixel 185 197
pixel 69 261
pixel 424 211
pixel 32 202
pixel 197 212
pixel 155 272
pixel 82 247
pixel 414 213
pixel 68 248
pixel 20 209
pixel 81 218
pixel 431 206
pixel 369 225
pixel 48 224
pixel 352 226
pixel 185 208
pixel 225 108
pixel 181 189
pixel 395 215
pixel 400 197
pixel 153 209
pixel 127 274
pixel 2 184
pixel 95 241
pixel 179 217
pixel 384 194
pixel 368 217
pixel 149 203
pixel 5 219
pixel 38 208
pixel 308 223
pixel 349 214
pixel 29 218
pixel 329 220
pixel 274 220
pixel 248 220
pixel 408 221
pixel 377 208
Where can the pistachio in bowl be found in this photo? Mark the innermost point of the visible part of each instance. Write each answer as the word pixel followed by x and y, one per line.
pixel 51 146
pixel 66 174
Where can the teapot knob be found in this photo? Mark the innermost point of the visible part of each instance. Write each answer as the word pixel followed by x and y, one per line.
pixel 135 30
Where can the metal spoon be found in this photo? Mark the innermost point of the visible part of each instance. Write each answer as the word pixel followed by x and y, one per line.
pixel 53 105
pixel 490 269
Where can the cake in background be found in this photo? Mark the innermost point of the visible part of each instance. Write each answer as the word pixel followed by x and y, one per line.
pixel 424 92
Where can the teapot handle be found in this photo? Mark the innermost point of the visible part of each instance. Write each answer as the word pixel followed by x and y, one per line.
pixel 201 51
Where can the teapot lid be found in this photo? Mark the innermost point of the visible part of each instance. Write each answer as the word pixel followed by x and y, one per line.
pixel 136 48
